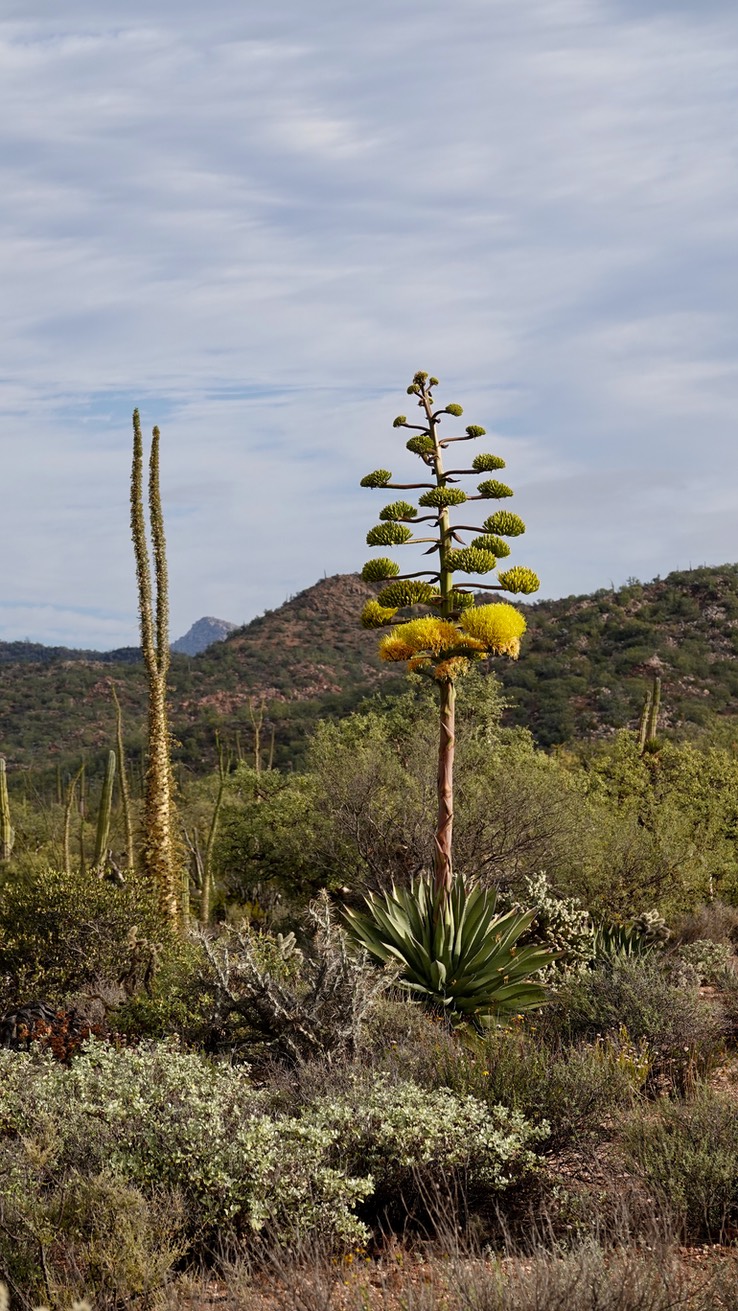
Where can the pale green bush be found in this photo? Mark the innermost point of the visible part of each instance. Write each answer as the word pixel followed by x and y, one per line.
pixel 403 1134
pixel 158 1118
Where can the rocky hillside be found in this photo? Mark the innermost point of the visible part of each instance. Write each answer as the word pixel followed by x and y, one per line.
pixel 582 671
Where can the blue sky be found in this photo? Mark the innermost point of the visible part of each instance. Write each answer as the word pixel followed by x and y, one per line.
pixel 256 222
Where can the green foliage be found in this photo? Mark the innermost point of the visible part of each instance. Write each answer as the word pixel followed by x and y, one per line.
pixel 574 1090
pixel 61 932
pixel 682 1034
pixel 688 1153
pixel 159 1120
pixel 410 1139
pixel 456 953
pixel 638 937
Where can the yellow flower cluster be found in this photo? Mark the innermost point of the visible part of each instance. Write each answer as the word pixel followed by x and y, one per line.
pixel 498 628
pixel 446 649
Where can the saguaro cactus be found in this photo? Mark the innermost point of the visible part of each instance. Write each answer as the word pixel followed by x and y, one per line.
pixel 159 857
pixel 102 836
pixel 7 832
pixel 444 643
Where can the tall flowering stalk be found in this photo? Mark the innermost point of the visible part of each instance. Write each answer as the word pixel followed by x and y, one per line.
pixel 159 851
pixel 444 644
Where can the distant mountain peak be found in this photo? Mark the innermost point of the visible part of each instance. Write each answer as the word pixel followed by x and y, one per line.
pixel 203 633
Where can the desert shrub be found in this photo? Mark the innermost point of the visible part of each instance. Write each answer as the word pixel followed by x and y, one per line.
pixel 95 1234
pixel 645 1001
pixel 713 922
pixel 688 1153
pixel 576 1091
pixel 61 932
pixel 415 1141
pixel 591 1277
pixel 172 1003
pixel 712 962
pixel 161 1121
pixel 270 997
pixel 189 1154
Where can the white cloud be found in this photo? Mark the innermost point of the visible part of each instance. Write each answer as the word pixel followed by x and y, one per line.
pixel 258 225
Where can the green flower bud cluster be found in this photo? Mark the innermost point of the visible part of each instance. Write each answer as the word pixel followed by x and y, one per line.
pixel 493 544
pixel 421 445
pixel 398 510
pixel 461 600
pixel 439 497
pixel 377 571
pixel 486 463
pixel 399 421
pixel 388 534
pixel 379 478
pixel 520 579
pixel 402 593
pixel 375 615
pixel 470 560
pixel 505 523
pixel 492 490
pixel 474 430
pixel 456 410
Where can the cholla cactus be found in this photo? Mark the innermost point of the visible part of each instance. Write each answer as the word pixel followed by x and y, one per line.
pixel 444 644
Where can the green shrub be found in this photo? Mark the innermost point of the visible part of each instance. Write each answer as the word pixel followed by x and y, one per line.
pixel 114 1166
pixel 712 962
pixel 413 1140
pixel 92 1234
pixel 61 932
pixel 714 922
pixel 158 1119
pixel 269 997
pixel 688 1153
pixel 650 1004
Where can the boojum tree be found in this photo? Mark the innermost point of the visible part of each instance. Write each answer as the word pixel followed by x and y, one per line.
pixel 444 644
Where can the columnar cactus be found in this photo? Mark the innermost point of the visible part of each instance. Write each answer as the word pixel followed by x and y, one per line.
pixel 7 832
pixel 159 855
pixel 102 836
pixel 444 643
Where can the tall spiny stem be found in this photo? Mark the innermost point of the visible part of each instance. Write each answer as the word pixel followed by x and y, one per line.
pixel 125 791
pixel 158 850
pixel 7 832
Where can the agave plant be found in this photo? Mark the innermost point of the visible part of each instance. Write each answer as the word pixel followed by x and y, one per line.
pixel 639 937
pixel 454 951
